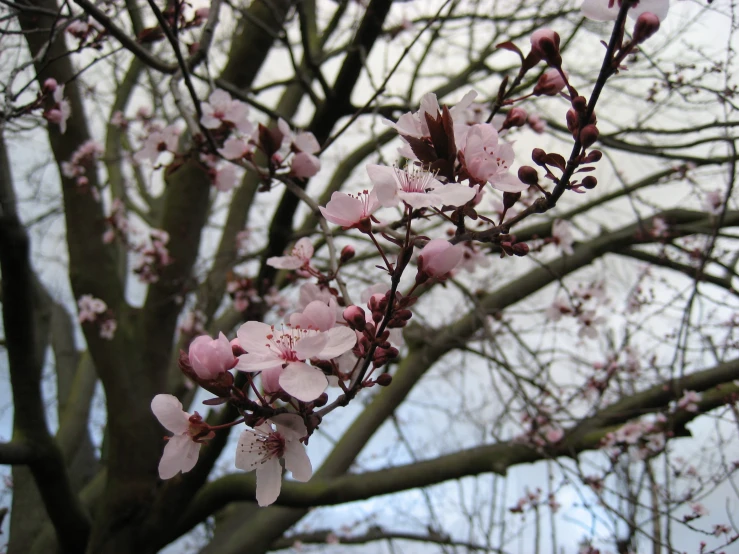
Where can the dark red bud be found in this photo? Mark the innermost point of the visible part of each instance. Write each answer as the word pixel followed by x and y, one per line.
pixel 588 135
pixel 515 118
pixel 538 156
pixel 579 103
pixel 384 379
pixel 528 176
pixel 520 249
pixel 321 400
pixel 573 120
pixel 589 182
pixel 592 157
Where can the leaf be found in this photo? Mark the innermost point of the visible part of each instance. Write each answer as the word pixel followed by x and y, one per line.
pixel 556 160
pixel 438 135
pixel 421 149
pixel 508 45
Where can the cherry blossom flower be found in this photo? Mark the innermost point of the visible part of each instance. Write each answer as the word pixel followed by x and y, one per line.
pixel 284 349
pixel 588 321
pixel 550 83
pixel 181 451
pixel 439 257
pixel 350 210
pixel 211 357
pixel 157 143
pixel 698 510
pixel 689 400
pixel 262 449
pixel 108 328
pixel 303 164
pixel 416 187
pixel 488 161
pixel 562 235
pixel 414 124
pixel 61 111
pixel 607 10
pixel 558 308
pixel 221 108
pixel 226 177
pixel 236 148
pixel 299 258
pixel 89 308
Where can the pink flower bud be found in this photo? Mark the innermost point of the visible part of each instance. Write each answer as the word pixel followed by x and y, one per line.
pixel 550 83
pixel 354 316
pixel 515 118
pixel 588 135
pixel 439 257
pixel 347 253
pixel 50 85
pixel 545 44
pixel 646 25
pixel 211 357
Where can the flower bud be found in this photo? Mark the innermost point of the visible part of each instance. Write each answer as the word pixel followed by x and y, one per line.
pixel 579 103
pixel 354 316
pixel 236 348
pixel 646 25
pixel 573 120
pixel 209 357
pixel 538 156
pixel 528 176
pixel 589 135
pixel 515 118
pixel 520 249
pixel 592 157
pixel 384 379
pixel 321 400
pixel 589 182
pixel 347 253
pixel 545 44
pixel 50 85
pixel 550 83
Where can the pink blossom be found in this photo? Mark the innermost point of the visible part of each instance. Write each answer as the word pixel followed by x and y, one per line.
pixel 414 124
pixel 61 111
pixel 304 165
pixel 562 235
pixel 158 142
pixel 545 42
pixel 226 177
pixel 287 348
pixel 211 357
pixel 89 308
pixel 262 449
pixel 550 83
pixel 537 124
pixel 713 202
pixel 698 509
pixel 181 451
pixel 235 148
pixel 607 10
pixel 588 321
pixel 108 328
pixel 439 257
pixel 350 210
pixel 689 401
pixel 300 256
pixel 558 308
pixel 487 161
pixel 221 108
pixel 416 187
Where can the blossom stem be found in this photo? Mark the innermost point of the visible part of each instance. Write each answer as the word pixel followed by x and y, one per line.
pixel 380 250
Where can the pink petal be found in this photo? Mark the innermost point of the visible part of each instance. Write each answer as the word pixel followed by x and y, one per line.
pixel 302 381
pixel 248 451
pixel 252 337
pixel 340 339
pixel 386 187
pixel 285 262
pixel 297 461
pixel 269 482
pixel 598 10
pixel 310 345
pixel 258 362
pixel 291 426
pixel 180 454
pixel 168 410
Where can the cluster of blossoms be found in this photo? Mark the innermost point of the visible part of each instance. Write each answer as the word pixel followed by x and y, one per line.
pixel 582 304
pixel 641 439
pixel 531 500
pixel 83 159
pixel 151 248
pixel 277 375
pixel 94 310
pixel 57 109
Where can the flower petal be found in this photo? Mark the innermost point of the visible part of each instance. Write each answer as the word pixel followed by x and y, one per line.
pixel 310 345
pixel 297 461
pixel 302 381
pixel 249 453
pixel 253 335
pixel 269 482
pixel 258 362
pixel 168 410
pixel 285 262
pixel 290 425
pixel 180 454
pixel 340 340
